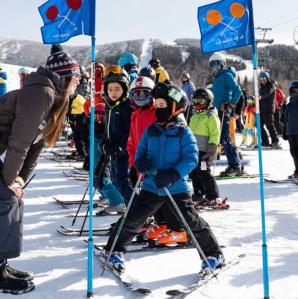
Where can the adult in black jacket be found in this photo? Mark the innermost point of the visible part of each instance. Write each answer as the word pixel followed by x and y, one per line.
pixel 29 118
pixel 267 101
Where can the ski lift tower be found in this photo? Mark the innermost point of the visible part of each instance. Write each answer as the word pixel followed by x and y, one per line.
pixel 264 60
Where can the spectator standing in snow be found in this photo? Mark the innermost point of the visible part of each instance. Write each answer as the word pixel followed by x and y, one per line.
pixel 189 88
pixel 162 75
pixel 291 125
pixel 280 99
pixel 267 103
pixel 29 118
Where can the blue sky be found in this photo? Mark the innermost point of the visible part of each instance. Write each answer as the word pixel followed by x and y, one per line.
pixel 132 19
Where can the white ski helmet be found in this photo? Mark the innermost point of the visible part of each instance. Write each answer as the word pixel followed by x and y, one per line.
pixel 217 57
pixel 140 91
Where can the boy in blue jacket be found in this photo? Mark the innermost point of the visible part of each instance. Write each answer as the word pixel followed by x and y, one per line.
pixel 166 154
pixel 291 126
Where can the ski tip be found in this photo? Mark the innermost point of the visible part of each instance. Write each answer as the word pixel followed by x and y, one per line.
pixel 143 291
pixel 174 292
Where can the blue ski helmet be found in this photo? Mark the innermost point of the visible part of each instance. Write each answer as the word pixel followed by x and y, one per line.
pixel 264 74
pixel 128 58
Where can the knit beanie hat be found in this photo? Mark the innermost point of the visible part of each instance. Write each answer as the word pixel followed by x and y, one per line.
pixel 61 62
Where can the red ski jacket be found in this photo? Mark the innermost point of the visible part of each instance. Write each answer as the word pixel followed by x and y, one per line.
pixel 140 120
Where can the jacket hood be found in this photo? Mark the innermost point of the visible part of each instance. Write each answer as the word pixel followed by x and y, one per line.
pixel 43 77
pixel 229 69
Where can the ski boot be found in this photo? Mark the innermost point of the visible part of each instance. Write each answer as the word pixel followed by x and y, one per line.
pixel 213 262
pixel 232 171
pixel 117 261
pixel 154 231
pixel 171 237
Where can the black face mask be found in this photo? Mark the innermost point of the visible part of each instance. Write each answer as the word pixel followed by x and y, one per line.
pixel 163 114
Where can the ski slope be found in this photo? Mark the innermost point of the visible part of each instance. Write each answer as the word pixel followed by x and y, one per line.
pixel 59 263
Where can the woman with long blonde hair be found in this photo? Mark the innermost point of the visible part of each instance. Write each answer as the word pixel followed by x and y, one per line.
pixel 29 118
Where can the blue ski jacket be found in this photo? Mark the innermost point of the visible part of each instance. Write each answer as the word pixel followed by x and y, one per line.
pixel 166 148
pixel 225 87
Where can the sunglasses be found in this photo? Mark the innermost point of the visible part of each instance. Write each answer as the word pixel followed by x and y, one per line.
pixel 114 69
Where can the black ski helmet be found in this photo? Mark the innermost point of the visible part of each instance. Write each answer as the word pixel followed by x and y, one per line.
pixel 149 72
pixel 154 63
pixel 175 97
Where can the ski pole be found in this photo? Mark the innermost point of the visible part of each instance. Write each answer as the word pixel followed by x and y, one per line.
pixel 27 183
pixel 198 247
pixel 94 189
pixel 121 223
pixel 79 208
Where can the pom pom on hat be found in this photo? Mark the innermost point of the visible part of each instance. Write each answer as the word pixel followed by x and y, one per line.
pixel 61 62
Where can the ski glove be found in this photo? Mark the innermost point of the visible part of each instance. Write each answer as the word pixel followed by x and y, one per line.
pixel 133 175
pixel 211 153
pixel 143 164
pixel 164 178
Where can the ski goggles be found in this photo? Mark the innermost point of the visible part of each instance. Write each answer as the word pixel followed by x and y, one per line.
pixel 199 101
pixel 215 64
pixel 114 69
pixel 140 96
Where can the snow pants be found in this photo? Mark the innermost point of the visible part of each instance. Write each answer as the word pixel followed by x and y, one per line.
pixel 11 222
pixel 203 181
pixel 147 204
pixel 225 140
pixel 293 142
pixel 268 121
pixel 120 177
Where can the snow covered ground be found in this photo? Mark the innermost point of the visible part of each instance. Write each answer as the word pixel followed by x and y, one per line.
pixel 59 262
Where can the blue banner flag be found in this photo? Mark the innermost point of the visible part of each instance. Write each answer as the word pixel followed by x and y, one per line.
pixel 225 24
pixel 64 19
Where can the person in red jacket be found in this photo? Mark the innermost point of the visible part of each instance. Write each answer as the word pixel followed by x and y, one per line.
pixel 280 99
pixel 142 116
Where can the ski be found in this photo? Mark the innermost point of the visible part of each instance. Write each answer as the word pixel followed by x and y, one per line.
pixel 220 205
pixel 100 213
pixel 204 278
pixel 78 177
pixel 83 234
pixel 72 229
pixel 243 176
pixel 123 278
pixel 69 202
pixel 276 181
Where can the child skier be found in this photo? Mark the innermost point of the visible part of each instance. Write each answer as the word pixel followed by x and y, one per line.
pixel 250 123
pixel 291 126
pixel 102 171
pixel 117 124
pixel 166 154
pixel 143 116
pixel 205 125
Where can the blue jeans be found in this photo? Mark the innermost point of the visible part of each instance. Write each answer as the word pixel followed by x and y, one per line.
pixel 229 148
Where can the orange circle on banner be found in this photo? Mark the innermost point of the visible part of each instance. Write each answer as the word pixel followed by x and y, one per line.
pixel 213 17
pixel 237 10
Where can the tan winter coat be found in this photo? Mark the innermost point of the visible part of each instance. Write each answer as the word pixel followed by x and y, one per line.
pixel 23 113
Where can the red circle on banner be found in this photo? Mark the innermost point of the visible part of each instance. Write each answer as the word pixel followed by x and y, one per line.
pixel 52 12
pixel 74 4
